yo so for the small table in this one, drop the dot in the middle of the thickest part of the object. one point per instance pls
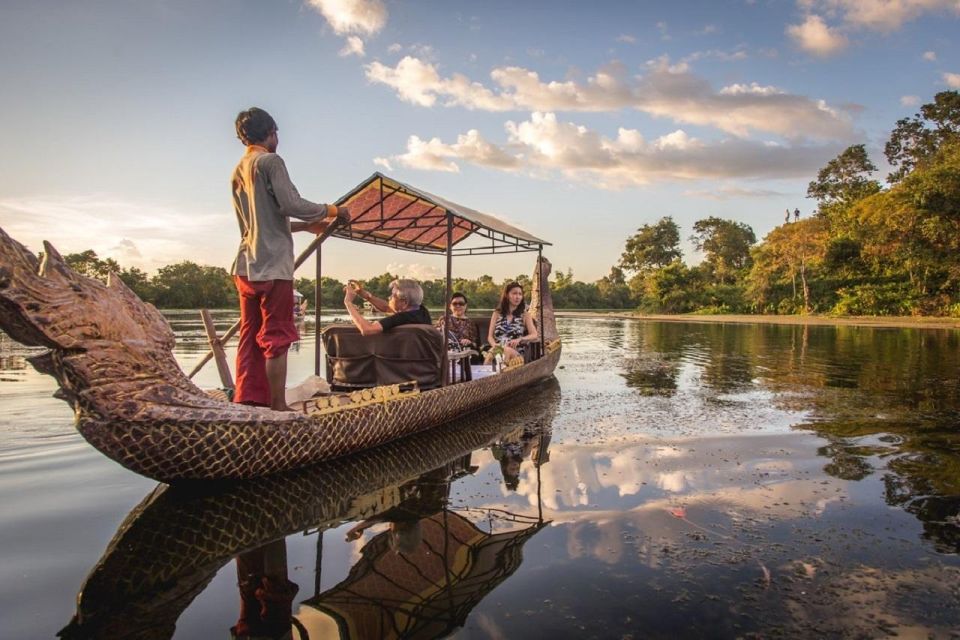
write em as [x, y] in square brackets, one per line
[461, 358]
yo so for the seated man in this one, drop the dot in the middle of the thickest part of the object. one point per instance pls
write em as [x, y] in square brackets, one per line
[405, 303]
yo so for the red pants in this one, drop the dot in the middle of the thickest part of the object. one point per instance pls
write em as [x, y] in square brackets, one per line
[266, 331]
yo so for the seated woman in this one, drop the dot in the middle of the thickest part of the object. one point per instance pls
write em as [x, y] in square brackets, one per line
[463, 332]
[511, 326]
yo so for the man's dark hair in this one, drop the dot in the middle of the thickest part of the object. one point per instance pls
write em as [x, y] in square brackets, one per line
[254, 125]
[457, 294]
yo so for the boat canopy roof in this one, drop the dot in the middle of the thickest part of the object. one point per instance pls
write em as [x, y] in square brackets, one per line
[387, 212]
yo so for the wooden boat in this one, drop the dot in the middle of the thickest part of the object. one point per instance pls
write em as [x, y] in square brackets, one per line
[171, 545]
[112, 355]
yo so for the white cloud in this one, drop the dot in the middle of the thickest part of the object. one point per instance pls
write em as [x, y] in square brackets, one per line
[543, 144]
[128, 249]
[396, 47]
[414, 270]
[952, 80]
[909, 101]
[930, 56]
[105, 223]
[725, 56]
[353, 47]
[366, 17]
[435, 155]
[667, 90]
[627, 39]
[815, 37]
[727, 192]
[418, 82]
[884, 16]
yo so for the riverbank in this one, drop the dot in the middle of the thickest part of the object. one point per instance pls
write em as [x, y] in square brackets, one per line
[892, 322]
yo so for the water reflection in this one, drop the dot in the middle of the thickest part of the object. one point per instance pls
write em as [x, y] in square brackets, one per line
[885, 400]
[425, 574]
[698, 481]
[171, 545]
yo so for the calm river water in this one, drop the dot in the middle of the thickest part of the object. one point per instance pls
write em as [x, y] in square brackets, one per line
[675, 480]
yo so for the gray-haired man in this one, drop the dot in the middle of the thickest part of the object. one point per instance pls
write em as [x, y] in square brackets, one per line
[405, 305]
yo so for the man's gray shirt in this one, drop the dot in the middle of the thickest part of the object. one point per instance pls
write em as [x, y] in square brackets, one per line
[264, 200]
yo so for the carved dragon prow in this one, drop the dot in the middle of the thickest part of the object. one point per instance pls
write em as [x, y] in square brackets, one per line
[543, 303]
[111, 353]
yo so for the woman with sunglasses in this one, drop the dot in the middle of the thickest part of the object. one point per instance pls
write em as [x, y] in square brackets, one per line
[511, 326]
[463, 332]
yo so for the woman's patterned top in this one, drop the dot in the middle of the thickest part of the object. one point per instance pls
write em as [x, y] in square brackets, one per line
[509, 328]
[460, 329]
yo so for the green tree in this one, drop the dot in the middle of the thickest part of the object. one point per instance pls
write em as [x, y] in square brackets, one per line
[87, 263]
[913, 230]
[789, 251]
[675, 288]
[613, 291]
[845, 180]
[140, 283]
[727, 245]
[917, 139]
[652, 246]
[187, 285]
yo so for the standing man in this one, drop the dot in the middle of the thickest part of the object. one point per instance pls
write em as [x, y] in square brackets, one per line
[796, 215]
[786, 218]
[264, 200]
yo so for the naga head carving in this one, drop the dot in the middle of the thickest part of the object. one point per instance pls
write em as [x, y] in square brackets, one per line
[46, 303]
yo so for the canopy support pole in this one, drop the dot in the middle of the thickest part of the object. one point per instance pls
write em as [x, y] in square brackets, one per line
[540, 296]
[318, 565]
[318, 294]
[446, 303]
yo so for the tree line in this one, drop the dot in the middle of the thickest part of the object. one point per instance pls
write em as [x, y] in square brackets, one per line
[188, 285]
[869, 249]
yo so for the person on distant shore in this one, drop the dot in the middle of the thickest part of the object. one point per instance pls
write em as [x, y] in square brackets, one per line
[796, 215]
[264, 200]
[463, 333]
[405, 305]
[511, 326]
[786, 218]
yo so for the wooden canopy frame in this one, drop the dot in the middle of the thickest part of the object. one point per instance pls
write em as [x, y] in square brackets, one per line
[387, 212]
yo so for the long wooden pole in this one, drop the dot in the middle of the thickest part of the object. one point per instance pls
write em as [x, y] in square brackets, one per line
[316, 242]
[216, 348]
[318, 294]
[447, 378]
[540, 295]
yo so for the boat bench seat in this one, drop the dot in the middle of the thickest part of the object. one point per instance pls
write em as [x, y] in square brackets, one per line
[401, 354]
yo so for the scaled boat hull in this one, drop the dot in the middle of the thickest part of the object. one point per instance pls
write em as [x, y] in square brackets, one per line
[112, 355]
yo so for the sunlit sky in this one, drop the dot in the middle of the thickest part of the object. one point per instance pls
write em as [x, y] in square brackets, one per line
[576, 121]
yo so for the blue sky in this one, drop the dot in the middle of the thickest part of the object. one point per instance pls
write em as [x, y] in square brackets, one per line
[577, 121]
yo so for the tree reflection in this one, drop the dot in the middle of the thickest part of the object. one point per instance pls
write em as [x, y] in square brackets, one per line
[884, 399]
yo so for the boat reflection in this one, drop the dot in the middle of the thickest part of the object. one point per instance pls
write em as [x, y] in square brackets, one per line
[420, 577]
